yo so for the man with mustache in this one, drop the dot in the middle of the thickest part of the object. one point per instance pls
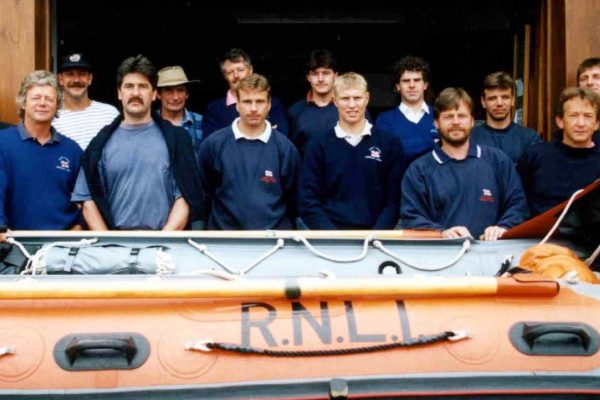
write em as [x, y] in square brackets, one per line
[38, 165]
[139, 172]
[220, 113]
[80, 118]
[499, 130]
[461, 188]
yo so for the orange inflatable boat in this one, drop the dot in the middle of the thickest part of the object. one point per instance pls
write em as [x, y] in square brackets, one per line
[289, 315]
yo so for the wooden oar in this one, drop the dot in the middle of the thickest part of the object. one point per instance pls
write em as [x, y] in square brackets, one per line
[194, 287]
[392, 234]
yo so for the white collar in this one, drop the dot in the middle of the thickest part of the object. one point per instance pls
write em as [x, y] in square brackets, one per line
[341, 133]
[406, 109]
[263, 137]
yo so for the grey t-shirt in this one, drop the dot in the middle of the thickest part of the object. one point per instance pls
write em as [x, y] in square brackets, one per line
[137, 176]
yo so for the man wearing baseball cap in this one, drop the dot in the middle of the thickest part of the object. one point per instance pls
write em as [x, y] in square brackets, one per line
[173, 93]
[80, 118]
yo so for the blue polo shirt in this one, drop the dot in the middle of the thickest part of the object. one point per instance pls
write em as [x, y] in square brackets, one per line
[439, 192]
[36, 180]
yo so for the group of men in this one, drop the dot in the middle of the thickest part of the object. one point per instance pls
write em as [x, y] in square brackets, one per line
[245, 164]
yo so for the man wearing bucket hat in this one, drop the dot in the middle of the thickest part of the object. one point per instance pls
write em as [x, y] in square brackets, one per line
[80, 118]
[173, 93]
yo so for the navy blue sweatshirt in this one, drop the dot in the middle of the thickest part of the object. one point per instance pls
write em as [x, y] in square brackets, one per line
[514, 140]
[252, 185]
[346, 187]
[552, 172]
[439, 192]
[308, 121]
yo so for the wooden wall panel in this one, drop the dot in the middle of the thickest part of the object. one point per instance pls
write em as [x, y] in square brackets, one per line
[24, 47]
[582, 20]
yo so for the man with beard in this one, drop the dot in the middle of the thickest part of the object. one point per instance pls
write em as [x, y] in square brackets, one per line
[139, 172]
[461, 188]
[498, 100]
[80, 118]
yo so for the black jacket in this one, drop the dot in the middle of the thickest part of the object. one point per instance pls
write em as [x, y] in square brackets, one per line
[181, 156]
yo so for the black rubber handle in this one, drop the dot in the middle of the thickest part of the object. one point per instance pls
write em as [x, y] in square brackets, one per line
[554, 338]
[531, 333]
[125, 346]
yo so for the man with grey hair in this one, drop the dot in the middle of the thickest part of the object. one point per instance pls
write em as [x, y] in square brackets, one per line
[552, 172]
[235, 66]
[38, 165]
[461, 188]
[351, 173]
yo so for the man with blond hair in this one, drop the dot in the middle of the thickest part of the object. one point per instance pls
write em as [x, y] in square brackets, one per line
[249, 169]
[38, 165]
[350, 176]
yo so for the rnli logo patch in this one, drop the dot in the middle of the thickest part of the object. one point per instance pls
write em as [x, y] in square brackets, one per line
[487, 196]
[268, 177]
[64, 164]
[374, 154]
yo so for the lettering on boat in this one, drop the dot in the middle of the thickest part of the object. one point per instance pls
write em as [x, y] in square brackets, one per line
[297, 323]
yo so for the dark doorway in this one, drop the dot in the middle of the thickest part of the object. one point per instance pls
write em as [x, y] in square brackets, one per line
[462, 40]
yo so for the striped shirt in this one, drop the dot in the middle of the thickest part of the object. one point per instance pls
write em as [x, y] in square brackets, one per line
[83, 125]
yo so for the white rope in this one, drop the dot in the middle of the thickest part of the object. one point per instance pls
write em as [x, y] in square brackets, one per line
[465, 247]
[217, 274]
[164, 263]
[37, 262]
[562, 215]
[279, 245]
[202, 248]
[316, 252]
[20, 246]
[593, 257]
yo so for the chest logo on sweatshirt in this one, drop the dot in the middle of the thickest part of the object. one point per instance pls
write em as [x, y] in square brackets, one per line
[487, 196]
[64, 164]
[374, 154]
[268, 177]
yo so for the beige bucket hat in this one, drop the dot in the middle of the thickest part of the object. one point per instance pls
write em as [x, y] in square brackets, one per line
[172, 76]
